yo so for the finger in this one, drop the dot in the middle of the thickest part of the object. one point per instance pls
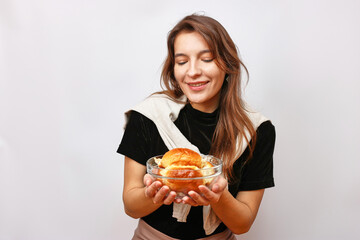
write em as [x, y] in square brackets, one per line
[198, 198]
[148, 179]
[170, 198]
[188, 200]
[216, 188]
[207, 193]
[221, 183]
[204, 190]
[151, 190]
[161, 194]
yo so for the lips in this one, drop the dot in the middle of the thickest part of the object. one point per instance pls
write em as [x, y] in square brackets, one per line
[197, 86]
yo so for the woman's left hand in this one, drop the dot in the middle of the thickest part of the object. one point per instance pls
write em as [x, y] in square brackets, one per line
[206, 196]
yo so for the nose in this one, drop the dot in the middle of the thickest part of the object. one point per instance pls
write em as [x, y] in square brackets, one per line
[194, 70]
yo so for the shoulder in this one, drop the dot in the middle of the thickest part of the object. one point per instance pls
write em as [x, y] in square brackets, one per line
[266, 134]
[137, 120]
[266, 129]
[265, 139]
[257, 173]
[140, 137]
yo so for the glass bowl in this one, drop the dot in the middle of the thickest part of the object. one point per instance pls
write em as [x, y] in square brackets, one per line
[185, 179]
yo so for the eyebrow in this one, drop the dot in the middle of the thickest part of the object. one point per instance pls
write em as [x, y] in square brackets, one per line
[200, 53]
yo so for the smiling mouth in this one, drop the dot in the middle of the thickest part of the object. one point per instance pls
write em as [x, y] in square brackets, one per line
[197, 84]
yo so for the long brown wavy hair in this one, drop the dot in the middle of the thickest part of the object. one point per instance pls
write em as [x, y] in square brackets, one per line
[233, 119]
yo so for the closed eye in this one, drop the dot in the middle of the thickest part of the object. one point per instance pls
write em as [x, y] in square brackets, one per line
[181, 63]
[208, 60]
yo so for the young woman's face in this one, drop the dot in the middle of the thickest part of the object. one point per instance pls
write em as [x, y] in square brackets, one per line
[196, 72]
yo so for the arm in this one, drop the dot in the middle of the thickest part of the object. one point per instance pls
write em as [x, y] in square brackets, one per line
[141, 194]
[238, 214]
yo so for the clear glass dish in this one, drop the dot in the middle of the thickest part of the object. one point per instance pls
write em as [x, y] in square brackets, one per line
[185, 179]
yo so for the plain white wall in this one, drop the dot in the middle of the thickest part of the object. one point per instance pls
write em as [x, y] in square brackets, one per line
[69, 69]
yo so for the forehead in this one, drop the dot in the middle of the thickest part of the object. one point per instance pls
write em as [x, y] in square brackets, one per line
[187, 42]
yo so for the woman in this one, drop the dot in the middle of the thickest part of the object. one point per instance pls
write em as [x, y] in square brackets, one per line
[202, 80]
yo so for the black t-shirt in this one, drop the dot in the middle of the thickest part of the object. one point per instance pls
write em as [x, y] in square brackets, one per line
[141, 141]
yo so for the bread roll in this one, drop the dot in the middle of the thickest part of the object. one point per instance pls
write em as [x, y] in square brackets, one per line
[182, 185]
[184, 163]
[181, 157]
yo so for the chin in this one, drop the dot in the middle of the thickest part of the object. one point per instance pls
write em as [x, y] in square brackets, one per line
[196, 99]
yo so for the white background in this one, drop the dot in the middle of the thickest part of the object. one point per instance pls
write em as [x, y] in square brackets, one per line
[69, 69]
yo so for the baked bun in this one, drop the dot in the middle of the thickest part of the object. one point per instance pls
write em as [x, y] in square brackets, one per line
[184, 163]
[182, 185]
[181, 157]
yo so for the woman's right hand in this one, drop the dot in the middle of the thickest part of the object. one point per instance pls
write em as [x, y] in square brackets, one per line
[159, 193]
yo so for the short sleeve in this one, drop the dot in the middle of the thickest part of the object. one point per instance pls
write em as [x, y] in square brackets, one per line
[140, 137]
[258, 171]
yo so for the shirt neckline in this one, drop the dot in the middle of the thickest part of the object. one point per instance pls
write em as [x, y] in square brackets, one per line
[203, 117]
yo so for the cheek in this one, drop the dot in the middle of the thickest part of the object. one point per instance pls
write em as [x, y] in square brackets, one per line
[178, 74]
[218, 76]
[215, 72]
